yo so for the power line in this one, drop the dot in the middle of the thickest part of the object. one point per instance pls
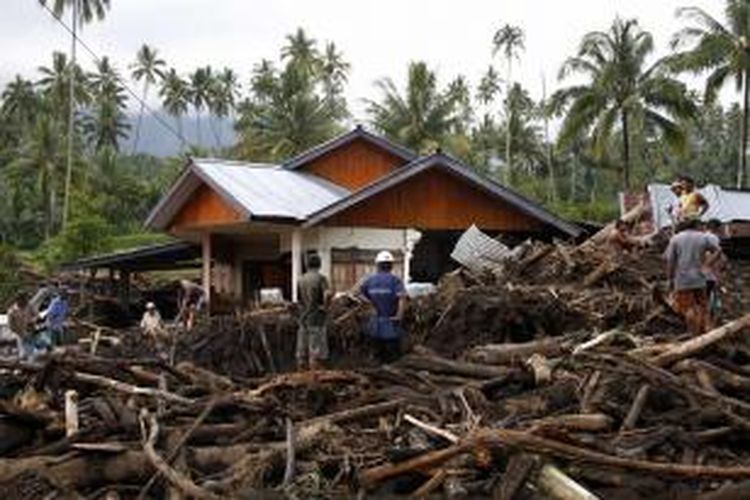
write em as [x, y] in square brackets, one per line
[97, 59]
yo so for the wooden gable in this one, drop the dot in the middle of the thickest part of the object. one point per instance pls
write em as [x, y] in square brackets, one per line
[355, 164]
[204, 208]
[435, 199]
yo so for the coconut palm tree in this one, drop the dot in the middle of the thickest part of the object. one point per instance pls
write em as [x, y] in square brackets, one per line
[149, 68]
[82, 12]
[106, 124]
[20, 104]
[55, 84]
[422, 118]
[489, 86]
[175, 95]
[509, 40]
[225, 90]
[334, 74]
[284, 115]
[621, 90]
[201, 81]
[302, 52]
[722, 50]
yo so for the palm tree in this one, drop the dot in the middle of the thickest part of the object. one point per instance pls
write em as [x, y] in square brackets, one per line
[722, 50]
[82, 12]
[422, 118]
[201, 81]
[107, 124]
[149, 68]
[510, 41]
[334, 74]
[20, 103]
[55, 84]
[489, 86]
[621, 89]
[224, 95]
[175, 95]
[302, 52]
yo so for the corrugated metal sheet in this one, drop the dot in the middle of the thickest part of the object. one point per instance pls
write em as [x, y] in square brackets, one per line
[270, 191]
[724, 204]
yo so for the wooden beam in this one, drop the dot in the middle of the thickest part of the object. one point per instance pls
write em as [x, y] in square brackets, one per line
[206, 259]
[296, 261]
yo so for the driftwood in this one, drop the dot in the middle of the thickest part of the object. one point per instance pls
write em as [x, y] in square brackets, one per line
[636, 408]
[179, 480]
[500, 354]
[698, 344]
[558, 485]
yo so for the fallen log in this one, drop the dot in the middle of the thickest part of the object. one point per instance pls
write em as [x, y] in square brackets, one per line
[177, 479]
[131, 389]
[437, 364]
[501, 354]
[698, 344]
[558, 485]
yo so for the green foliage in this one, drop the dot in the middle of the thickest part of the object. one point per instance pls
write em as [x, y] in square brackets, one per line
[622, 95]
[84, 236]
[721, 50]
[10, 274]
[293, 107]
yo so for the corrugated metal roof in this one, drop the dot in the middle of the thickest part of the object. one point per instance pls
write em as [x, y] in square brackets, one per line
[265, 191]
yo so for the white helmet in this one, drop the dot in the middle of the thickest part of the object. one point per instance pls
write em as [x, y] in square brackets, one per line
[150, 305]
[384, 256]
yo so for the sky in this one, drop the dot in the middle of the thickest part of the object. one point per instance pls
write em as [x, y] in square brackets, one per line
[379, 39]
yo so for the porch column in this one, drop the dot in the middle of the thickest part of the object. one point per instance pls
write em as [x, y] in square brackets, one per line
[296, 261]
[206, 261]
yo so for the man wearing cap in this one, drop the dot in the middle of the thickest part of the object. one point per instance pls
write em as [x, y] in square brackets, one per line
[386, 293]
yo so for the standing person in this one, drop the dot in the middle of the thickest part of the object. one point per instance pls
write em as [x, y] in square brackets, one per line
[21, 317]
[686, 255]
[692, 204]
[713, 268]
[674, 210]
[387, 294]
[56, 316]
[191, 298]
[314, 296]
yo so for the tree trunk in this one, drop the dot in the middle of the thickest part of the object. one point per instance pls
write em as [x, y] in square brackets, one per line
[198, 125]
[71, 115]
[625, 152]
[140, 118]
[742, 172]
[508, 161]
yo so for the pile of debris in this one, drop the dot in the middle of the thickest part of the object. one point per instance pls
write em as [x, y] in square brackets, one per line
[611, 415]
[559, 372]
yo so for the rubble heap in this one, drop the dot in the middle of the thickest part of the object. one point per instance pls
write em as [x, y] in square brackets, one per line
[560, 374]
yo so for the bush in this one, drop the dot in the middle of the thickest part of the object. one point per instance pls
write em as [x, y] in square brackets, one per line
[10, 274]
[84, 236]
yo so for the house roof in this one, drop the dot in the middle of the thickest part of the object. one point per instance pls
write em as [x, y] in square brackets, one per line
[453, 166]
[180, 254]
[257, 191]
[358, 133]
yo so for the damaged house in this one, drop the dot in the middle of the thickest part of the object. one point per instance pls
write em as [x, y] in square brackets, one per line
[345, 199]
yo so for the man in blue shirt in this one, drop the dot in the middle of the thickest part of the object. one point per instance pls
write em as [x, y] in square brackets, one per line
[386, 293]
[56, 316]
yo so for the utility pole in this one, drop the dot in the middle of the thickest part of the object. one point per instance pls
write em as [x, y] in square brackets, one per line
[71, 116]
